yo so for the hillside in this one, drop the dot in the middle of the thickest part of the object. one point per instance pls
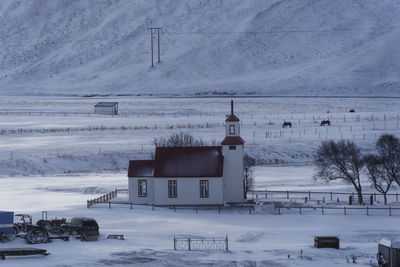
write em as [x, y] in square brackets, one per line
[276, 47]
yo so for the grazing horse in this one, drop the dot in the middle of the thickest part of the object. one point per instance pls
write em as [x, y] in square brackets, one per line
[352, 110]
[327, 122]
[287, 124]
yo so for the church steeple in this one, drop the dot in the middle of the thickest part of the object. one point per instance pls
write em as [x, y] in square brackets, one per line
[232, 150]
[232, 130]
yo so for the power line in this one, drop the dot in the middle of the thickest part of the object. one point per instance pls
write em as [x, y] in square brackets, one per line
[278, 32]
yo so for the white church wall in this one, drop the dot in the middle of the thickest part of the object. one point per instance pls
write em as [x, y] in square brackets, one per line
[134, 194]
[233, 174]
[188, 191]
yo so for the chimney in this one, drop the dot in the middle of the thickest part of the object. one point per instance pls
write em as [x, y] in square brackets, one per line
[231, 107]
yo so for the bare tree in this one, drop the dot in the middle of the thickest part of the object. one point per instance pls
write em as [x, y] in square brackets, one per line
[388, 148]
[378, 174]
[340, 160]
[248, 163]
[181, 139]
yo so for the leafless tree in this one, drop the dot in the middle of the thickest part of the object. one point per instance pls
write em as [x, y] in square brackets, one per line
[378, 174]
[248, 163]
[340, 160]
[181, 139]
[388, 148]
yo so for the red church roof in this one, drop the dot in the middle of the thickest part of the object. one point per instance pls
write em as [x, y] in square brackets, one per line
[232, 117]
[233, 140]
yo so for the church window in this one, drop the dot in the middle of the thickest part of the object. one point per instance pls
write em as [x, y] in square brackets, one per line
[204, 188]
[172, 189]
[142, 188]
[231, 129]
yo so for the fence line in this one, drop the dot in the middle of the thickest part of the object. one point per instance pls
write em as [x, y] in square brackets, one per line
[220, 208]
[102, 199]
[367, 210]
[309, 195]
[104, 128]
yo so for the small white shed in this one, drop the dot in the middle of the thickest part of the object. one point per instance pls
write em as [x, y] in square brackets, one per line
[106, 108]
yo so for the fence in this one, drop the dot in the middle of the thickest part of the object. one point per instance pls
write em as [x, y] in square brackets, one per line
[201, 244]
[321, 196]
[366, 210]
[107, 128]
[102, 199]
[218, 208]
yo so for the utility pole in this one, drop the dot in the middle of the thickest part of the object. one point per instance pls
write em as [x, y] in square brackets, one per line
[152, 32]
[158, 38]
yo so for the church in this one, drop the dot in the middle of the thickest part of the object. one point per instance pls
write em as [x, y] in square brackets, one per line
[206, 175]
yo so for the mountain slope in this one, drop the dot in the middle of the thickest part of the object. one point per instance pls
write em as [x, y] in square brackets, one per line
[277, 47]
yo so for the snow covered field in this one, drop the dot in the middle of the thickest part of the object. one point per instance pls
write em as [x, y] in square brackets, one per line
[254, 240]
[52, 135]
[71, 155]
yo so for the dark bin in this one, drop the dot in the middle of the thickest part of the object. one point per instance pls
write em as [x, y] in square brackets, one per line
[326, 242]
[7, 222]
[388, 253]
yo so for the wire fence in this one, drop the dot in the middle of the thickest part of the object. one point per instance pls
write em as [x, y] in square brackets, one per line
[344, 210]
[107, 128]
[321, 196]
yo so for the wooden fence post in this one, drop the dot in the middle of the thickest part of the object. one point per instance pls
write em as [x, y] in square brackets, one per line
[189, 243]
[174, 243]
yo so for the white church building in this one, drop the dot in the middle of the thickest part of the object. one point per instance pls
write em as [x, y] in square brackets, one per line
[209, 175]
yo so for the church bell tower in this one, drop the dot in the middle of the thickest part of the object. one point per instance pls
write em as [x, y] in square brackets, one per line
[232, 150]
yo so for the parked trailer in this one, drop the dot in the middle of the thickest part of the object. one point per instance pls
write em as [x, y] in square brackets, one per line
[6, 225]
[388, 253]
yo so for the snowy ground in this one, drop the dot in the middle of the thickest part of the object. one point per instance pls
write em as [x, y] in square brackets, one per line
[45, 166]
[54, 135]
[254, 240]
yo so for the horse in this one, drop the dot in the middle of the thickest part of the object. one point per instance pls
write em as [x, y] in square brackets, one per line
[327, 122]
[287, 124]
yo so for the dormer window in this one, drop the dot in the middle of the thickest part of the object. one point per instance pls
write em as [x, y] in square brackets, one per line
[232, 129]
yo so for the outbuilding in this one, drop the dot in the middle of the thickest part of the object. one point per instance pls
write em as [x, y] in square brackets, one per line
[106, 108]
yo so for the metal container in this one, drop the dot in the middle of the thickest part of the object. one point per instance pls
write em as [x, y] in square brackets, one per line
[7, 222]
[388, 253]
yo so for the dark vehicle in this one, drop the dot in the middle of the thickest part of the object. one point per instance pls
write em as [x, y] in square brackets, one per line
[86, 229]
[33, 234]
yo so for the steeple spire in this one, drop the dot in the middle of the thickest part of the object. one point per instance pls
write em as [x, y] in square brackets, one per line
[231, 107]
